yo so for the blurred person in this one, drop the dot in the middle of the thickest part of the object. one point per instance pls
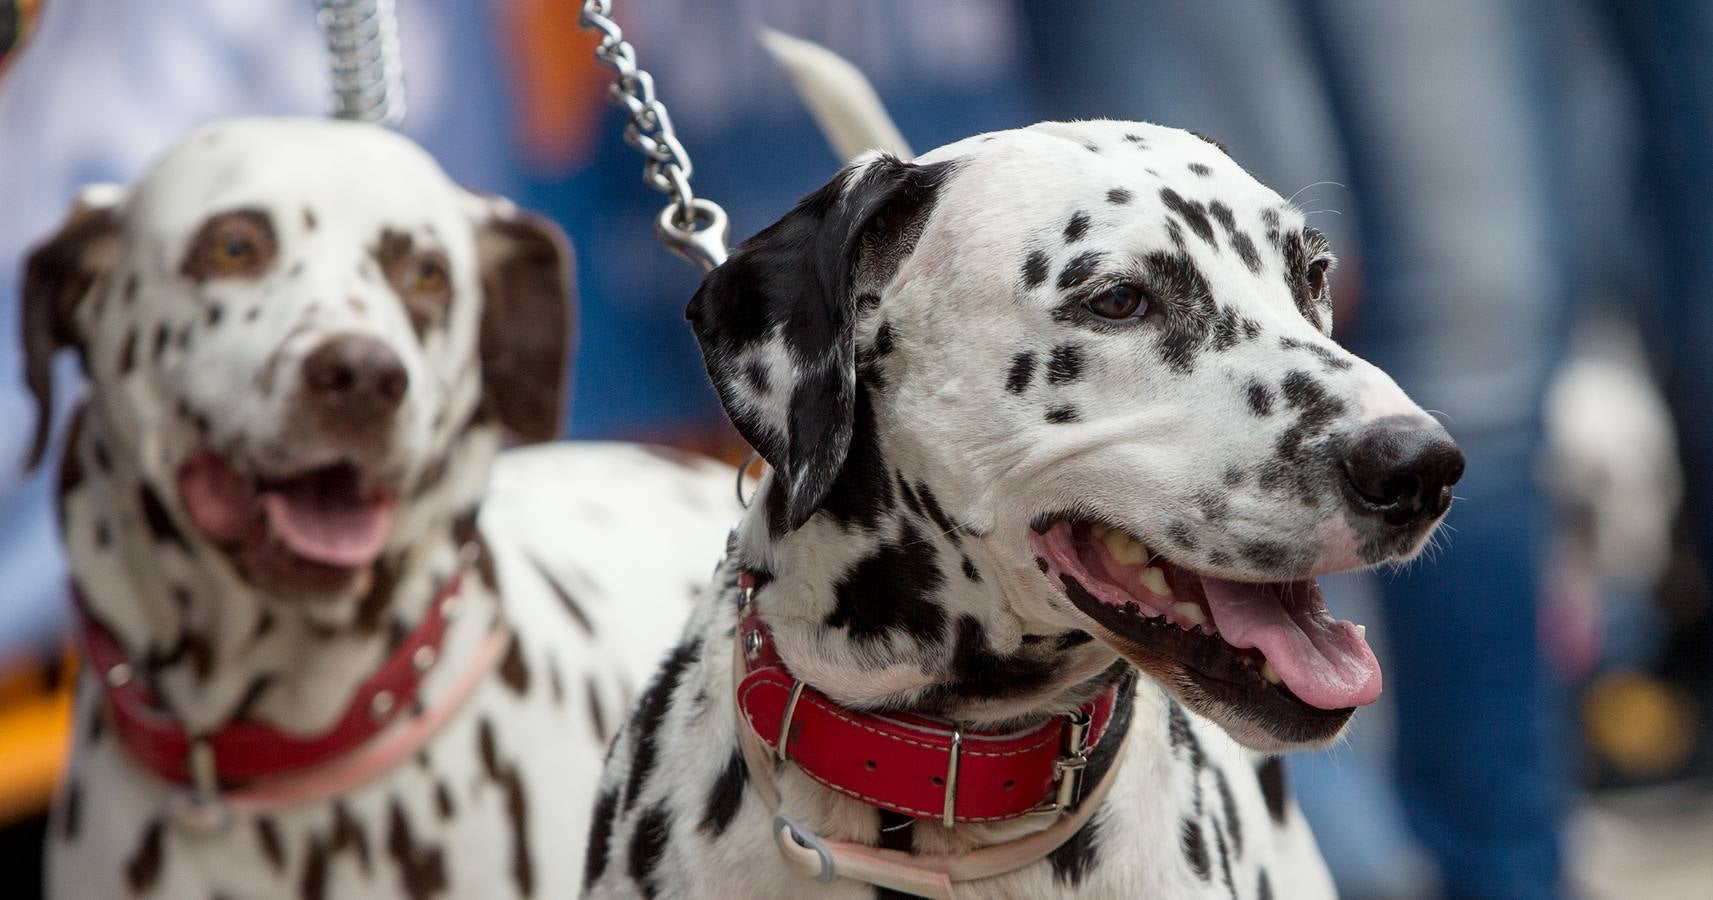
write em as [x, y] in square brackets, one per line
[1443, 118]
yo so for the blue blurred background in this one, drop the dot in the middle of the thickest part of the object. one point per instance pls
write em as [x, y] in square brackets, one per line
[1521, 193]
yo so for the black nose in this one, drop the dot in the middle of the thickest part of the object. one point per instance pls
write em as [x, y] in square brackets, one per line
[1402, 468]
[354, 380]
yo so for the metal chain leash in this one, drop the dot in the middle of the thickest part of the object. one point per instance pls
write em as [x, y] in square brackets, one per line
[363, 59]
[692, 227]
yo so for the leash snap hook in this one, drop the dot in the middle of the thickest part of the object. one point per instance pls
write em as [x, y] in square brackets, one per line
[200, 810]
[700, 236]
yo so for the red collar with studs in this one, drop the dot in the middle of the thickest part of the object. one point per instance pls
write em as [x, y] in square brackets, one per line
[910, 764]
[245, 750]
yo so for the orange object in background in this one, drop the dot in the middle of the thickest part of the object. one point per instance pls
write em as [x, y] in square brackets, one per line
[558, 86]
[35, 731]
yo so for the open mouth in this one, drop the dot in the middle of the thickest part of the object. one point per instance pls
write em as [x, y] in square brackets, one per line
[1270, 648]
[319, 527]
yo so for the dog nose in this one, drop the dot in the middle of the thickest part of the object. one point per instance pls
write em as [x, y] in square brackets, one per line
[1403, 469]
[355, 379]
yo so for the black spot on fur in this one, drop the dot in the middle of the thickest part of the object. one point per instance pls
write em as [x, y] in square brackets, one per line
[892, 589]
[725, 796]
[1260, 399]
[1176, 278]
[313, 884]
[862, 492]
[1263, 886]
[443, 801]
[143, 869]
[1073, 859]
[159, 522]
[1212, 141]
[1061, 415]
[1271, 774]
[514, 673]
[756, 374]
[1022, 370]
[1193, 212]
[163, 333]
[600, 836]
[268, 838]
[1224, 859]
[1182, 534]
[422, 868]
[970, 571]
[977, 672]
[651, 712]
[1035, 269]
[1270, 556]
[647, 844]
[214, 314]
[1194, 845]
[1200, 169]
[931, 506]
[1332, 361]
[1080, 269]
[1228, 804]
[1065, 365]
[1076, 227]
[1182, 736]
[1119, 196]
[308, 219]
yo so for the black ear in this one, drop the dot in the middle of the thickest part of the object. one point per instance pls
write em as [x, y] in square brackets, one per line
[776, 322]
[57, 275]
[527, 322]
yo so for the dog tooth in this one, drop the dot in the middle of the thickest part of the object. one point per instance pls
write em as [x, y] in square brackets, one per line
[1362, 631]
[1269, 673]
[1124, 551]
[1154, 579]
[1191, 611]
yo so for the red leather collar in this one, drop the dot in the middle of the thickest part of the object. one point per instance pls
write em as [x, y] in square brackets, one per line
[245, 750]
[910, 764]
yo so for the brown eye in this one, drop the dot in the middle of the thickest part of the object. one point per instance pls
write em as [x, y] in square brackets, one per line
[431, 276]
[1121, 301]
[1317, 276]
[238, 244]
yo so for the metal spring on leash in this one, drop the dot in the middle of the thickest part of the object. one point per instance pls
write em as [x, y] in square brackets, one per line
[690, 226]
[363, 56]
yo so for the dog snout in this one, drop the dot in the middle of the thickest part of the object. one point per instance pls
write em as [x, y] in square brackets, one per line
[354, 381]
[1402, 469]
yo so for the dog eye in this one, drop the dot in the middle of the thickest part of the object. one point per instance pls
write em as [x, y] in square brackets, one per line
[431, 276]
[1317, 276]
[1121, 301]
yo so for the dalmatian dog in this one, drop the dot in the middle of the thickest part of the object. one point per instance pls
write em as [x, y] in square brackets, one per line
[305, 346]
[1051, 415]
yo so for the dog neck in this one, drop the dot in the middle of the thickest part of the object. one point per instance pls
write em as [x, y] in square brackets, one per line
[890, 603]
[211, 647]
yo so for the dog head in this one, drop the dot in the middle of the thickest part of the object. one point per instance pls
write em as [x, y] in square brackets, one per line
[301, 335]
[1105, 346]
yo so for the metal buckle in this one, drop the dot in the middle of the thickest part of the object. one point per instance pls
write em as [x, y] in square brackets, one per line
[948, 810]
[780, 752]
[1068, 768]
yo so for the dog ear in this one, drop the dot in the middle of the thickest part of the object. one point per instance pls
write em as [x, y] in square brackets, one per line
[529, 295]
[776, 322]
[58, 273]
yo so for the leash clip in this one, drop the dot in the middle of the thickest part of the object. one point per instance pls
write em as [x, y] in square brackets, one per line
[199, 810]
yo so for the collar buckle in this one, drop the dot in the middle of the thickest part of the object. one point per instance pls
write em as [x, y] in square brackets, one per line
[1068, 769]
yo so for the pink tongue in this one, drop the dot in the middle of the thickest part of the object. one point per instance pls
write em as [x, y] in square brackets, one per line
[329, 527]
[1324, 661]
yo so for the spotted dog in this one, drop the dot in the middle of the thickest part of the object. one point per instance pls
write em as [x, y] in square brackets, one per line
[1046, 410]
[305, 345]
